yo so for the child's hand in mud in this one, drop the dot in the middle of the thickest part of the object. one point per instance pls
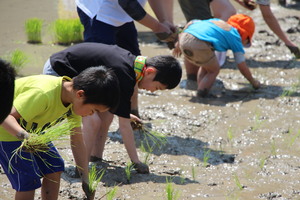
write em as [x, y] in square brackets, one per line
[256, 84]
[90, 195]
[169, 38]
[141, 168]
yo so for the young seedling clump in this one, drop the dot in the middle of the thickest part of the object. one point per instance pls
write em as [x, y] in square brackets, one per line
[33, 28]
[95, 177]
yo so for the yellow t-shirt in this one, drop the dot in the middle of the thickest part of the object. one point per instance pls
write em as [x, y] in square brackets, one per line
[38, 101]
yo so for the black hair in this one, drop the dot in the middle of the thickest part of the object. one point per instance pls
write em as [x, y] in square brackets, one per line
[168, 70]
[7, 88]
[100, 86]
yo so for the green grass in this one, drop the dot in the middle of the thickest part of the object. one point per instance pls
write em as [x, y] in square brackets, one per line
[33, 29]
[67, 31]
[95, 177]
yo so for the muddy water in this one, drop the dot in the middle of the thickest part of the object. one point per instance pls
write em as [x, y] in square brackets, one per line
[237, 144]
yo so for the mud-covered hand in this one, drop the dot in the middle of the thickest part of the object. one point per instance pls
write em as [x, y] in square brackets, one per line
[256, 84]
[249, 4]
[90, 195]
[141, 168]
[169, 38]
[136, 125]
[135, 122]
[22, 135]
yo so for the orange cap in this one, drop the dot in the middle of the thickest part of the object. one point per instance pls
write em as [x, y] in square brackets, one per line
[244, 24]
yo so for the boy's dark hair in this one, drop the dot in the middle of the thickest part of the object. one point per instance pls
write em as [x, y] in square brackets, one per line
[168, 70]
[7, 88]
[100, 86]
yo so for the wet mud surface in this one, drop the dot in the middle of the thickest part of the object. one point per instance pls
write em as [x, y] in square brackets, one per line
[239, 143]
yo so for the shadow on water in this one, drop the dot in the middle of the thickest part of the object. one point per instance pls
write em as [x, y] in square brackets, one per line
[221, 97]
[116, 175]
[115, 171]
[175, 146]
[252, 63]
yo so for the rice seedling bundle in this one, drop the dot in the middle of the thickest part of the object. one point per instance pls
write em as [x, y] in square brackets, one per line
[151, 138]
[40, 139]
[18, 59]
[33, 28]
[67, 31]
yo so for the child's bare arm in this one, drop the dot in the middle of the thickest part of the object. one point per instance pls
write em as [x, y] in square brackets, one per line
[247, 74]
[79, 153]
[128, 138]
[129, 142]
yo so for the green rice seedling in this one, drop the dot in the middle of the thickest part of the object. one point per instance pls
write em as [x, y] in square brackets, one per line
[293, 138]
[237, 182]
[258, 122]
[206, 157]
[128, 169]
[182, 179]
[291, 90]
[229, 134]
[172, 194]
[18, 59]
[147, 152]
[273, 148]
[151, 138]
[95, 177]
[111, 193]
[33, 29]
[67, 31]
[233, 195]
[262, 162]
[193, 173]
